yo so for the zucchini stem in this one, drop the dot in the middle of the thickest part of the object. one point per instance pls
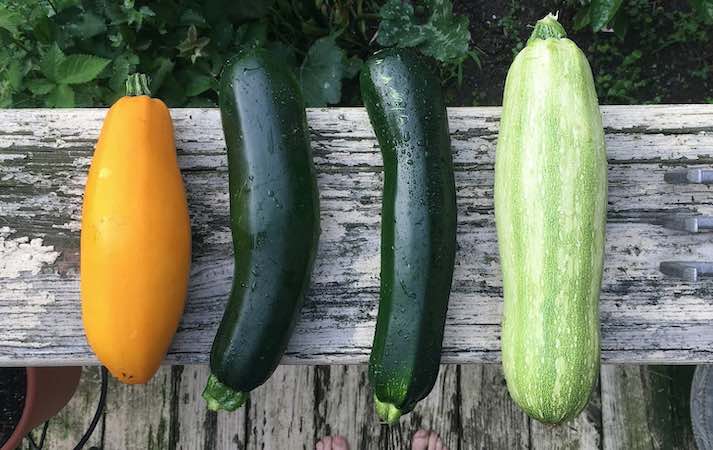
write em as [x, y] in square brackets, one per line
[219, 396]
[388, 412]
[548, 28]
[137, 84]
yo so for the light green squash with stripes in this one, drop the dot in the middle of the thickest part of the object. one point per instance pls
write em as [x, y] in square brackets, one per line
[550, 211]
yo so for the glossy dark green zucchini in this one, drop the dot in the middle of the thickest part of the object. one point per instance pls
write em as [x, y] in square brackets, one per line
[274, 217]
[418, 232]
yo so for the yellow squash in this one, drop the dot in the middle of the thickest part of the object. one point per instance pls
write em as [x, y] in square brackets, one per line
[136, 238]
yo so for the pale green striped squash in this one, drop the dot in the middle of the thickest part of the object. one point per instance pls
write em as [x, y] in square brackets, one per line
[550, 210]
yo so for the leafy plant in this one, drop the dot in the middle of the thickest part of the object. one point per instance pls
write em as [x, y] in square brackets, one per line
[599, 14]
[64, 53]
[442, 35]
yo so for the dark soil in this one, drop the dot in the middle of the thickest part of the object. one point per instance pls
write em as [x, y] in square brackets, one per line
[13, 383]
[666, 55]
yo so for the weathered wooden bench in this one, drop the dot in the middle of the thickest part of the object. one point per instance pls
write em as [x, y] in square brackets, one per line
[647, 317]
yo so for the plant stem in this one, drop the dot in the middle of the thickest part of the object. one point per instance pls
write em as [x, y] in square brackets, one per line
[21, 45]
[52, 5]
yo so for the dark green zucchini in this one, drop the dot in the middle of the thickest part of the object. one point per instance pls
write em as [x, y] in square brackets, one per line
[274, 217]
[418, 226]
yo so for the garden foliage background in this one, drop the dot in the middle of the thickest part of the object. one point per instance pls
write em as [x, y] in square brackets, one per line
[77, 53]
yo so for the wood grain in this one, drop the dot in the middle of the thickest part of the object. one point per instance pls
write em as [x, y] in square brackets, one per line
[646, 317]
[138, 416]
[647, 407]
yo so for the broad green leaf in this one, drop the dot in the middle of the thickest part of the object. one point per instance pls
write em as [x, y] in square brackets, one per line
[322, 72]
[14, 75]
[50, 62]
[88, 26]
[621, 25]
[44, 30]
[122, 66]
[704, 8]
[443, 36]
[582, 18]
[251, 34]
[398, 25]
[40, 86]
[76, 69]
[602, 12]
[62, 96]
[447, 39]
[198, 84]
[9, 20]
[163, 68]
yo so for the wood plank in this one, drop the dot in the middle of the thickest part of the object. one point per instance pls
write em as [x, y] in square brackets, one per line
[138, 416]
[281, 412]
[646, 407]
[192, 424]
[344, 406]
[646, 317]
[67, 428]
[490, 418]
[581, 433]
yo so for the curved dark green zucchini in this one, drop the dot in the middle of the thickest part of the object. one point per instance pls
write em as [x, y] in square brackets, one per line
[274, 217]
[418, 232]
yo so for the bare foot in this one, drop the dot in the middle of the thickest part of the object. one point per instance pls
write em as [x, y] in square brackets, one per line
[332, 443]
[427, 440]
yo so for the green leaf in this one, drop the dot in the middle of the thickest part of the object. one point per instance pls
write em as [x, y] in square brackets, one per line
[122, 66]
[443, 36]
[192, 46]
[50, 62]
[621, 25]
[14, 75]
[62, 96]
[251, 34]
[447, 39]
[40, 86]
[76, 69]
[581, 19]
[398, 25]
[704, 8]
[44, 30]
[163, 68]
[322, 72]
[88, 26]
[198, 84]
[9, 20]
[602, 12]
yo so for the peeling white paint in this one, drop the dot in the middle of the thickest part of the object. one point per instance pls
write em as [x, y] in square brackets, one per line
[23, 255]
[74, 226]
[11, 156]
[82, 161]
[218, 237]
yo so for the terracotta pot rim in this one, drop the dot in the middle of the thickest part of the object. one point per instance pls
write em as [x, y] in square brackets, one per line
[30, 392]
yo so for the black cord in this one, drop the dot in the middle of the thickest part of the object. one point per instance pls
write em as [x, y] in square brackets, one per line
[98, 413]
